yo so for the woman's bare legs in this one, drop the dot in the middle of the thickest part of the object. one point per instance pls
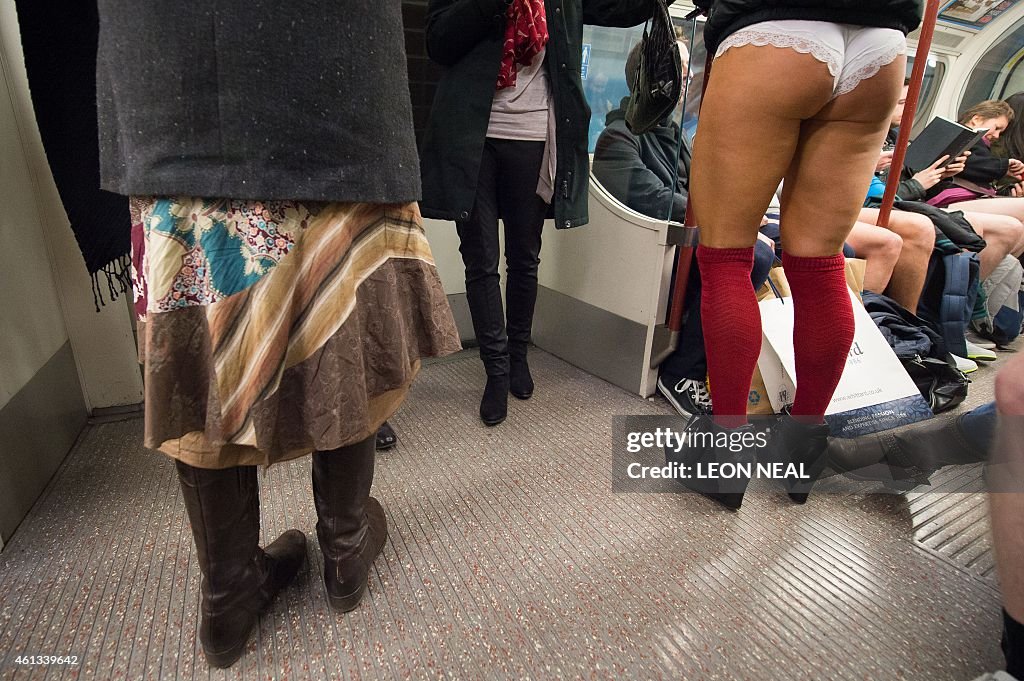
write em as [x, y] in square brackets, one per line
[755, 129]
[835, 160]
[1003, 235]
[1000, 205]
[821, 199]
[918, 235]
[880, 250]
[747, 137]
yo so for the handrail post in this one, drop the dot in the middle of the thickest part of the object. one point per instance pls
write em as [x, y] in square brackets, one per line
[899, 153]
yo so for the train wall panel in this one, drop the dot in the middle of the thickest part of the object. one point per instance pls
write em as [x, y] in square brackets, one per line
[30, 313]
[51, 283]
[38, 427]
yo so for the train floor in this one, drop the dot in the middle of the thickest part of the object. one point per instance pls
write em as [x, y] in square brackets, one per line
[510, 557]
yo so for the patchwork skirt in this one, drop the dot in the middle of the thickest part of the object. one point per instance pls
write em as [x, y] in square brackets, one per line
[271, 329]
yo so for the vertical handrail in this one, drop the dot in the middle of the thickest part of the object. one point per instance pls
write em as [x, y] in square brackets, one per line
[924, 44]
[684, 254]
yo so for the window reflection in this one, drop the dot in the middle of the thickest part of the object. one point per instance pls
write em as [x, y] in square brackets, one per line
[933, 72]
[603, 72]
[648, 173]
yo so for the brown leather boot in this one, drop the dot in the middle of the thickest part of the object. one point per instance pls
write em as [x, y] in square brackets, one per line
[239, 578]
[351, 525]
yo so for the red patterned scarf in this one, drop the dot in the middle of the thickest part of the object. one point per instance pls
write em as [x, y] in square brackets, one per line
[526, 34]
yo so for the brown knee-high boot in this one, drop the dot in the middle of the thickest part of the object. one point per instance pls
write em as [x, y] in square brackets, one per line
[239, 578]
[351, 525]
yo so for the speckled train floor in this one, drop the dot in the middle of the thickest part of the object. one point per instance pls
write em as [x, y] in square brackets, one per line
[510, 557]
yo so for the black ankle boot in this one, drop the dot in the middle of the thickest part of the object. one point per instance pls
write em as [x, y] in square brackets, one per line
[494, 405]
[705, 444]
[520, 380]
[351, 525]
[239, 579]
[803, 444]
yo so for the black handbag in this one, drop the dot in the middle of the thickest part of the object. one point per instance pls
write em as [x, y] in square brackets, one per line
[942, 384]
[659, 78]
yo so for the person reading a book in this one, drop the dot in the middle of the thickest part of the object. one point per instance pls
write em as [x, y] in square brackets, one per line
[1003, 234]
[975, 188]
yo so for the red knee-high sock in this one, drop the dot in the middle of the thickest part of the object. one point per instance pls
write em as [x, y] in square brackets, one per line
[732, 329]
[822, 330]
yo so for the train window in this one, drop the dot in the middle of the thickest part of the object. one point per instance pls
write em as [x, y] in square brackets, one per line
[1000, 72]
[933, 74]
[640, 173]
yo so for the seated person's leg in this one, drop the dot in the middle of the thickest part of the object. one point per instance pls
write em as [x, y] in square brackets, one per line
[978, 426]
[681, 377]
[919, 450]
[918, 235]
[1013, 207]
[880, 248]
[1003, 235]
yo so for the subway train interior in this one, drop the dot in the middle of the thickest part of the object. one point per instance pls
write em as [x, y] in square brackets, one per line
[513, 551]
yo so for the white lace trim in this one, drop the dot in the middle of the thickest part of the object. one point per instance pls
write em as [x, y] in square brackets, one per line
[803, 45]
[850, 81]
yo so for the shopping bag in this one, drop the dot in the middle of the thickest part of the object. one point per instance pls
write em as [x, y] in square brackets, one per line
[777, 285]
[875, 392]
[758, 403]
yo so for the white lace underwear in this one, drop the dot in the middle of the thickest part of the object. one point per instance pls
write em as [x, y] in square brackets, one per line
[852, 53]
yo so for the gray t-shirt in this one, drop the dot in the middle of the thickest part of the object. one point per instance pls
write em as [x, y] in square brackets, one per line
[521, 112]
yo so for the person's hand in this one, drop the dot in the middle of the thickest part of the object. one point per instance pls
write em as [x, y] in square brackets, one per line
[762, 237]
[1017, 189]
[930, 176]
[1016, 168]
[955, 167]
[884, 161]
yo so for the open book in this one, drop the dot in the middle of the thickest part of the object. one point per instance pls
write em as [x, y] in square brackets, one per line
[940, 138]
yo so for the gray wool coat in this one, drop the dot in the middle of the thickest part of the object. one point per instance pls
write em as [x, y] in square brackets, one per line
[256, 99]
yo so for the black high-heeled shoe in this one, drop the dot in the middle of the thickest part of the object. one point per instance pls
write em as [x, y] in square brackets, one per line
[708, 467]
[386, 437]
[803, 444]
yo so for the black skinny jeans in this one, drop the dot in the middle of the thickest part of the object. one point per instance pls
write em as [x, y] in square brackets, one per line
[506, 189]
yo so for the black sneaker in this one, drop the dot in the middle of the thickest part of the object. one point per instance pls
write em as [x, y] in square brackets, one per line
[688, 396]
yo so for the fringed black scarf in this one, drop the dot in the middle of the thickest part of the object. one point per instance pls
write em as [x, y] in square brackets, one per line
[59, 40]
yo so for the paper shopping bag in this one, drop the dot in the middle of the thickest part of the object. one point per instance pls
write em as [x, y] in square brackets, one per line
[778, 285]
[874, 394]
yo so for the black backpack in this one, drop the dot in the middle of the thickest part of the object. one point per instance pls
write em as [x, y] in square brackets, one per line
[921, 350]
